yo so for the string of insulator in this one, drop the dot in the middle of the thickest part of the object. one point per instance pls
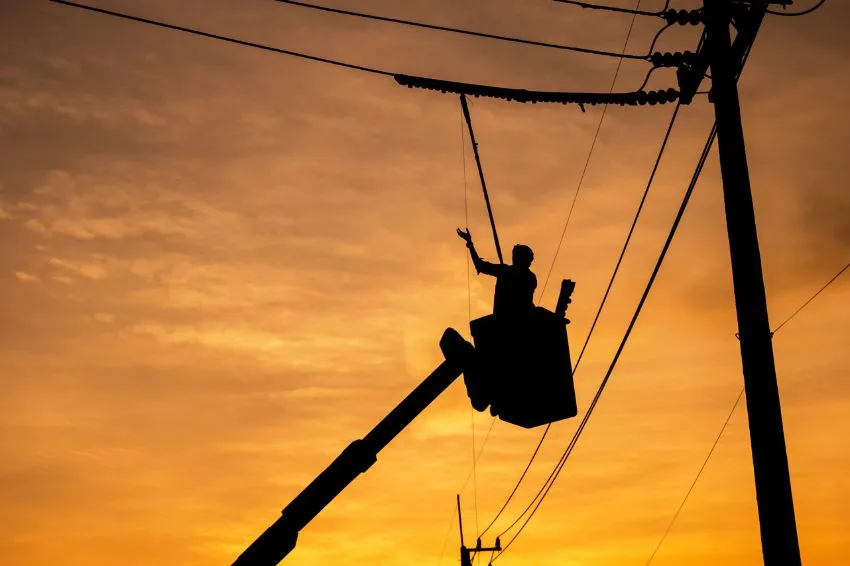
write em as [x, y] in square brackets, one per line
[677, 59]
[683, 17]
[530, 96]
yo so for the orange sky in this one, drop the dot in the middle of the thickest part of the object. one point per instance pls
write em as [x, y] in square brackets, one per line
[220, 266]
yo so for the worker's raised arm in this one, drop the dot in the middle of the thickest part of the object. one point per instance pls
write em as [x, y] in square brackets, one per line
[481, 266]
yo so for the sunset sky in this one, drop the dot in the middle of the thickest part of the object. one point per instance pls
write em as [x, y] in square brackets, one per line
[218, 266]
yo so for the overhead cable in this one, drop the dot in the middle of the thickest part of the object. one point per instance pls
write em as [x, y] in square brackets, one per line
[634, 222]
[551, 480]
[587, 163]
[578, 188]
[461, 31]
[511, 94]
[228, 39]
[728, 418]
[801, 13]
[631, 231]
[812, 298]
[592, 6]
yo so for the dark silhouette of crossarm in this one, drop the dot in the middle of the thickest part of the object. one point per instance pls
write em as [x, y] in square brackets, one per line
[639, 97]
[280, 538]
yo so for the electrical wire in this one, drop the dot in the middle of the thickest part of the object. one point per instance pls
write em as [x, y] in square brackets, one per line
[649, 54]
[656, 37]
[631, 230]
[599, 310]
[520, 95]
[729, 417]
[617, 267]
[694, 483]
[228, 39]
[634, 224]
[801, 13]
[578, 188]
[591, 6]
[463, 488]
[469, 311]
[519, 481]
[554, 475]
[480, 451]
[812, 298]
[461, 31]
[587, 161]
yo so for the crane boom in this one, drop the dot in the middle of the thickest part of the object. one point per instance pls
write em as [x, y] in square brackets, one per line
[280, 538]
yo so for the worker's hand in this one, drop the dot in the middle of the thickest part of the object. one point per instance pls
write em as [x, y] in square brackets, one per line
[465, 236]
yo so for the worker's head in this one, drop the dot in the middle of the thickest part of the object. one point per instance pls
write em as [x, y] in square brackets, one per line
[522, 256]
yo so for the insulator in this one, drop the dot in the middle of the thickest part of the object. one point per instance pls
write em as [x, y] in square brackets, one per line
[683, 17]
[641, 97]
[652, 97]
[677, 59]
[672, 94]
[695, 17]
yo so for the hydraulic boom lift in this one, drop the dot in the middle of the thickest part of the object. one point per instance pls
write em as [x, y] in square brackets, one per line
[460, 357]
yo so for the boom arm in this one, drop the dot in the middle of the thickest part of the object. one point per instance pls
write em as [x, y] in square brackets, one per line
[280, 538]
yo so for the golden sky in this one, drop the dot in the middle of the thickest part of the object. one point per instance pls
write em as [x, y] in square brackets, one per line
[220, 266]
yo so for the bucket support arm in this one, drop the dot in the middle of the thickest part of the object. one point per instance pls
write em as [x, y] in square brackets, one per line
[280, 538]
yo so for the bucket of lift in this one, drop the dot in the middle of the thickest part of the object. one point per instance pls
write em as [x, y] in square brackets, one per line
[522, 368]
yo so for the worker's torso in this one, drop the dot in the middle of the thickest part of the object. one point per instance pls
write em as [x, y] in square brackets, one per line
[514, 291]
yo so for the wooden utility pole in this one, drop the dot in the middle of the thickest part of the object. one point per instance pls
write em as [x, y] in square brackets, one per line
[780, 546]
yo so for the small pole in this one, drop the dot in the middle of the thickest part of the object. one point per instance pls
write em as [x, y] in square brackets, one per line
[459, 520]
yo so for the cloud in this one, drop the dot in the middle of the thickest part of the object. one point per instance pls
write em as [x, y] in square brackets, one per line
[25, 277]
[84, 269]
[36, 226]
[263, 259]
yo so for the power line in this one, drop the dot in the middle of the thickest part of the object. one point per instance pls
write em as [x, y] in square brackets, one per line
[590, 6]
[599, 310]
[587, 161]
[631, 231]
[511, 94]
[729, 417]
[461, 31]
[812, 298]
[519, 481]
[560, 465]
[694, 483]
[578, 188]
[801, 13]
[656, 37]
[225, 38]
[634, 223]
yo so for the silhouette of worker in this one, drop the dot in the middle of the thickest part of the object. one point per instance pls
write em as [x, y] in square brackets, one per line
[515, 283]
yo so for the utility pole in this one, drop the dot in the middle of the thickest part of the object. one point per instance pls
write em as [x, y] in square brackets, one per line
[780, 546]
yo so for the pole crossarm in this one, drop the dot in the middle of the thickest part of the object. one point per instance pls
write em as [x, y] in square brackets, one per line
[747, 19]
[635, 98]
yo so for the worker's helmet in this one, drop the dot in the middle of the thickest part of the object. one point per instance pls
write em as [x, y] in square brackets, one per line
[522, 255]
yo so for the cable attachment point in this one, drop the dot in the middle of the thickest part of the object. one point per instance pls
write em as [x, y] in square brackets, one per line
[683, 17]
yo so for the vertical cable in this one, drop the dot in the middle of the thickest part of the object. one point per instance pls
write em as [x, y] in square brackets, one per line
[469, 313]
